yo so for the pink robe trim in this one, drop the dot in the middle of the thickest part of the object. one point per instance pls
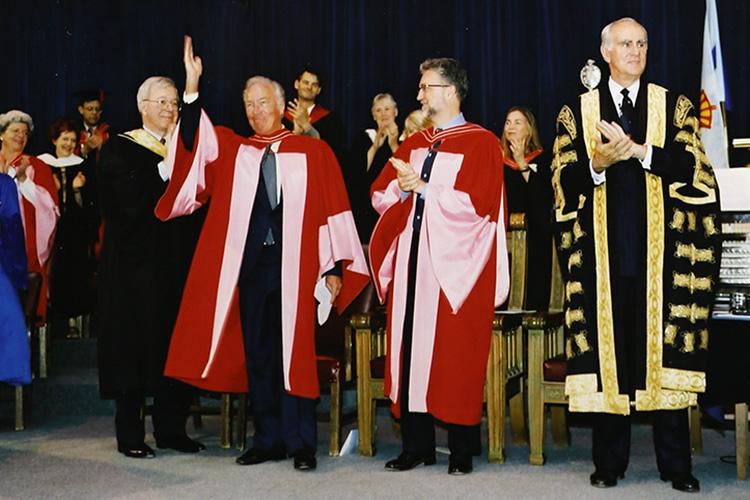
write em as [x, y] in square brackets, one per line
[502, 277]
[392, 194]
[206, 150]
[292, 169]
[45, 214]
[244, 185]
[337, 240]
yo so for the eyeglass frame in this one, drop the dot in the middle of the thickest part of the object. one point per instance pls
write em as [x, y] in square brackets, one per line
[177, 103]
[424, 86]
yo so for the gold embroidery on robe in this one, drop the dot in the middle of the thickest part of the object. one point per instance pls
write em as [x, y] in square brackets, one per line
[578, 233]
[569, 348]
[567, 119]
[590, 115]
[691, 282]
[574, 316]
[692, 312]
[709, 225]
[584, 383]
[691, 221]
[656, 126]
[612, 401]
[681, 110]
[575, 260]
[703, 335]
[694, 254]
[678, 220]
[572, 288]
[670, 334]
[688, 341]
[654, 278]
[566, 240]
[582, 342]
[683, 380]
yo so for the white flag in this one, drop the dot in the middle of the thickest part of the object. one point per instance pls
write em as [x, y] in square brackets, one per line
[713, 132]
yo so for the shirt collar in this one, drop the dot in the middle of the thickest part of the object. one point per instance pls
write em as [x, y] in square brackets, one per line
[454, 122]
[615, 89]
[158, 137]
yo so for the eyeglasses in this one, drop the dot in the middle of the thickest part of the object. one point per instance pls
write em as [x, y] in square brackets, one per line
[424, 86]
[262, 104]
[165, 103]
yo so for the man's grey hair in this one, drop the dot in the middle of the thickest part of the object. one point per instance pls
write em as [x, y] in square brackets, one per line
[144, 91]
[15, 116]
[384, 96]
[451, 71]
[606, 39]
[277, 88]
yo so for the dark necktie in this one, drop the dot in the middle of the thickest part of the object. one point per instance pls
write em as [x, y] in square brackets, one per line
[268, 167]
[163, 140]
[425, 176]
[628, 111]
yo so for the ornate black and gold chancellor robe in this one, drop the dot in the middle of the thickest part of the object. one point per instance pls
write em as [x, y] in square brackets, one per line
[660, 229]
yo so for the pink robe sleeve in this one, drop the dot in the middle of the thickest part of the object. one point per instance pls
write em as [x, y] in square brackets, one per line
[45, 213]
[187, 189]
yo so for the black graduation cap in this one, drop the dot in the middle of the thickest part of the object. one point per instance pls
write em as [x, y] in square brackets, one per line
[87, 95]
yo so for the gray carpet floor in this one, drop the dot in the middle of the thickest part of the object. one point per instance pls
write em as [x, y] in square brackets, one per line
[74, 457]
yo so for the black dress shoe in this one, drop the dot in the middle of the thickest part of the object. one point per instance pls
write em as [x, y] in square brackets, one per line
[305, 460]
[459, 465]
[683, 482]
[183, 444]
[255, 456]
[407, 461]
[141, 450]
[601, 479]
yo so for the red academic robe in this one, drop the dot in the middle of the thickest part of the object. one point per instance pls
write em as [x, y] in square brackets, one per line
[207, 347]
[38, 200]
[462, 269]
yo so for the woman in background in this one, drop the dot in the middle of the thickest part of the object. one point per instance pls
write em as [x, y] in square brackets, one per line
[529, 190]
[370, 152]
[36, 193]
[73, 261]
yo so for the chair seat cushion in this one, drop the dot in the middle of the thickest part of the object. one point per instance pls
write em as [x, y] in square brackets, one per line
[555, 369]
[377, 367]
[328, 369]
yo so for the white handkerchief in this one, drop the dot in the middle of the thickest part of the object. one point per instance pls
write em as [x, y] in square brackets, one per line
[323, 296]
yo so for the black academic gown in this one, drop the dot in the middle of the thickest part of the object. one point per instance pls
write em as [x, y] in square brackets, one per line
[143, 266]
[534, 198]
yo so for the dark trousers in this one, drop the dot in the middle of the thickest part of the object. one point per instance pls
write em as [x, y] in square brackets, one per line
[418, 429]
[172, 401]
[611, 442]
[282, 421]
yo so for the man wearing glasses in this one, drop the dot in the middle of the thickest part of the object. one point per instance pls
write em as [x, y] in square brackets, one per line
[143, 266]
[279, 234]
[636, 212]
[439, 252]
[94, 132]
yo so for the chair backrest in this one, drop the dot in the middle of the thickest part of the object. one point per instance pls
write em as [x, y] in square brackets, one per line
[30, 298]
[517, 248]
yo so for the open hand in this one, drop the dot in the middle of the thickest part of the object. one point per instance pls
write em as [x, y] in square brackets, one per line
[193, 67]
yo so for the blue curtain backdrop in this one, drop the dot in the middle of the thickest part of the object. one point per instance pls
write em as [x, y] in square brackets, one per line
[516, 52]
